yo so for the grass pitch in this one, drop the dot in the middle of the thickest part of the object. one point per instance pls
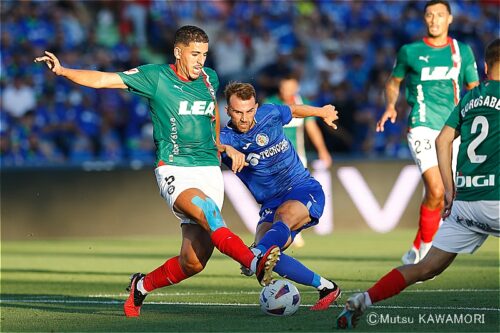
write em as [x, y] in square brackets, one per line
[78, 285]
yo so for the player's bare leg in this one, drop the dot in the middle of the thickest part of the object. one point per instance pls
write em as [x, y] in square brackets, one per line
[432, 265]
[292, 215]
[203, 210]
[430, 216]
[430, 211]
[299, 241]
[393, 283]
[195, 252]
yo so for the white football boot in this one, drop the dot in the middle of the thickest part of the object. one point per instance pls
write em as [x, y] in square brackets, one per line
[354, 308]
[424, 248]
[411, 257]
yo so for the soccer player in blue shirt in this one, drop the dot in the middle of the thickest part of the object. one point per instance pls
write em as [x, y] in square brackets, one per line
[291, 199]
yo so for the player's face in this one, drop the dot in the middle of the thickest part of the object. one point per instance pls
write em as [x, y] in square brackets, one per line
[190, 59]
[438, 19]
[288, 90]
[242, 113]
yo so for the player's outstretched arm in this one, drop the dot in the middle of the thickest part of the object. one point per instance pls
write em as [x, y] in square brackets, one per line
[391, 97]
[88, 78]
[444, 148]
[327, 112]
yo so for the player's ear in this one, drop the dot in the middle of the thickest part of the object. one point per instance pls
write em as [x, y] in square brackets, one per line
[177, 53]
[450, 19]
[485, 68]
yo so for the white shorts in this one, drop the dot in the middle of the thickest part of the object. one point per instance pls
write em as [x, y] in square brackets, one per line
[173, 180]
[468, 226]
[422, 143]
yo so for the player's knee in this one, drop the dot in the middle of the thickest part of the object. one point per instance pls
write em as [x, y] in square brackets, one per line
[293, 215]
[436, 194]
[210, 211]
[190, 265]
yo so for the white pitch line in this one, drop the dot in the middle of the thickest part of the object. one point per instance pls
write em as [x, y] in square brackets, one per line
[433, 308]
[302, 292]
[62, 301]
[57, 301]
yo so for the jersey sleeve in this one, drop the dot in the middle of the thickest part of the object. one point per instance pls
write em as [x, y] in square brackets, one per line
[469, 65]
[401, 64]
[224, 137]
[285, 113]
[142, 80]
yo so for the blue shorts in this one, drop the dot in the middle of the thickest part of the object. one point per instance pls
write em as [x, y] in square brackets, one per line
[310, 193]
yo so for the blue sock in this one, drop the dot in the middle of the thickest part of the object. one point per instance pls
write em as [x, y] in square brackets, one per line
[277, 235]
[294, 270]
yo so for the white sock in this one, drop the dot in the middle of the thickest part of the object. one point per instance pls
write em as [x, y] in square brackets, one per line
[324, 283]
[253, 264]
[368, 300]
[424, 248]
[140, 286]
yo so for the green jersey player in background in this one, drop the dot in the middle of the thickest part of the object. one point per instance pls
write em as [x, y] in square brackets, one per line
[288, 93]
[435, 68]
[184, 116]
[473, 214]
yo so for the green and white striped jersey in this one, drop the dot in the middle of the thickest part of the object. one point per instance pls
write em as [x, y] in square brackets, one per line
[434, 77]
[476, 118]
[182, 113]
[295, 129]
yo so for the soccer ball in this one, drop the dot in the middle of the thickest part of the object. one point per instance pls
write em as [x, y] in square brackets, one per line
[279, 298]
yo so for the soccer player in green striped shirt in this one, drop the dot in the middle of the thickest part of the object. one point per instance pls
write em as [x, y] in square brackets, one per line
[472, 201]
[435, 68]
[184, 115]
[288, 93]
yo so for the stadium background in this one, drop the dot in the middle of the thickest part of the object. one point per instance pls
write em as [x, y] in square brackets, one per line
[78, 162]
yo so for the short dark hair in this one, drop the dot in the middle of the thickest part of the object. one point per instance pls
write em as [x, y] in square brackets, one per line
[245, 91]
[492, 53]
[188, 34]
[289, 76]
[435, 2]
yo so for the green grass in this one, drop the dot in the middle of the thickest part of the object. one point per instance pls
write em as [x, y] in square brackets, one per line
[78, 285]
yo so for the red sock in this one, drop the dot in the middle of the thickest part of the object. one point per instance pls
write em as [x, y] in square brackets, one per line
[391, 284]
[429, 222]
[230, 244]
[418, 239]
[167, 274]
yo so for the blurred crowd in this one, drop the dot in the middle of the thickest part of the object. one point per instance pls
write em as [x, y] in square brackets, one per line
[342, 51]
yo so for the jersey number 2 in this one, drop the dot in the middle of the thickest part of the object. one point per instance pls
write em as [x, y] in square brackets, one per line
[471, 150]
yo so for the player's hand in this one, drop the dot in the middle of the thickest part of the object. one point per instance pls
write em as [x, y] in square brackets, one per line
[330, 115]
[237, 157]
[52, 62]
[389, 114]
[448, 202]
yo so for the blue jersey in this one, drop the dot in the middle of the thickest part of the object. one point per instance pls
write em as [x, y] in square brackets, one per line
[274, 166]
